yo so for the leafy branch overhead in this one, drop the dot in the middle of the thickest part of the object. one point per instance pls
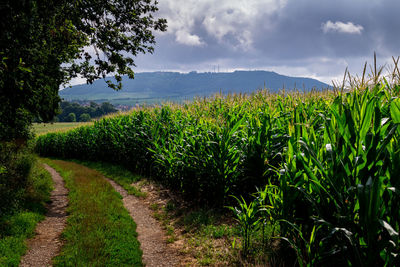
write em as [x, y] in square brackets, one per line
[116, 31]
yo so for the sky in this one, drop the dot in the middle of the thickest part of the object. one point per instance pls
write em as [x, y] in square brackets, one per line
[305, 38]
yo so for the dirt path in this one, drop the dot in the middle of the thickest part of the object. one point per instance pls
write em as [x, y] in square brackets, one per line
[46, 243]
[150, 235]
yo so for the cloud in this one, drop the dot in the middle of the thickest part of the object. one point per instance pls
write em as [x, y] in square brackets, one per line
[186, 38]
[342, 27]
[278, 35]
[231, 22]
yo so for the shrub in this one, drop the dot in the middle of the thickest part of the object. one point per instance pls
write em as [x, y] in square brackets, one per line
[15, 165]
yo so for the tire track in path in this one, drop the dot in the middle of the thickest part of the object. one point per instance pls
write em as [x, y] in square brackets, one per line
[150, 235]
[46, 244]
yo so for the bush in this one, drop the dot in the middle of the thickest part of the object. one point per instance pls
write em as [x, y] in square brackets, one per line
[15, 165]
[38, 188]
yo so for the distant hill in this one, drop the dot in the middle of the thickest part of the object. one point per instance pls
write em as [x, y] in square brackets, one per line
[155, 86]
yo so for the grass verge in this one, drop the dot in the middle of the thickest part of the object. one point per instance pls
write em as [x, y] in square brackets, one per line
[99, 230]
[15, 228]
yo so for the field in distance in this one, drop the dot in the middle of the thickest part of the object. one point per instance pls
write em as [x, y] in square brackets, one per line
[43, 128]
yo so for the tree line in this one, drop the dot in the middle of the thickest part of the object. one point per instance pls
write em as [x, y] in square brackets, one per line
[72, 112]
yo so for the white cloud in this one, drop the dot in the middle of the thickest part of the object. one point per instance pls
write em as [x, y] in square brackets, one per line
[218, 19]
[186, 38]
[74, 81]
[342, 27]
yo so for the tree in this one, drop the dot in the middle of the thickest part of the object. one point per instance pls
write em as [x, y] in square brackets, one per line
[71, 117]
[107, 107]
[45, 43]
[84, 117]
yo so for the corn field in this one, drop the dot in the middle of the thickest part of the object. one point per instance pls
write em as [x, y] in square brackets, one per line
[327, 164]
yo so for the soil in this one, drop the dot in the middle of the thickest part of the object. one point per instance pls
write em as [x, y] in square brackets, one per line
[192, 247]
[156, 251]
[47, 243]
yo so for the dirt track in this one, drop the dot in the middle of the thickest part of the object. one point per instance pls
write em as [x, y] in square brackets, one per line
[150, 235]
[46, 244]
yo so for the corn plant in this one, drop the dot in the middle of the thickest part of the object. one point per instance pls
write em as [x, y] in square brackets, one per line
[246, 215]
[341, 172]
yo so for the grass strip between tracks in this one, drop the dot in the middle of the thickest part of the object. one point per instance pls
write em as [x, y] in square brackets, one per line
[117, 173]
[99, 230]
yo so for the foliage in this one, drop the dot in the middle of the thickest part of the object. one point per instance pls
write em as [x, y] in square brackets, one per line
[43, 44]
[341, 176]
[71, 117]
[100, 231]
[84, 117]
[246, 215]
[15, 164]
[336, 197]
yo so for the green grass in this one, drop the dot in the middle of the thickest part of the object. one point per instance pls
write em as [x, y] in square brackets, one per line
[17, 227]
[44, 128]
[99, 230]
[210, 238]
[12, 244]
[118, 173]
